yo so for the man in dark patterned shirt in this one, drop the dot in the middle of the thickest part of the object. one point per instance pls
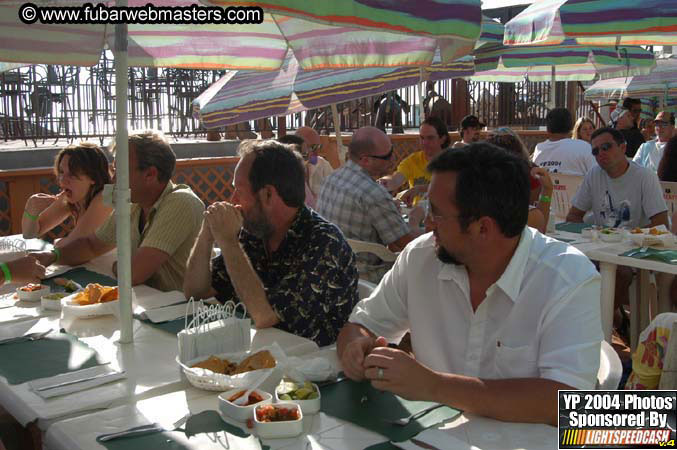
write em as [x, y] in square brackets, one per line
[291, 268]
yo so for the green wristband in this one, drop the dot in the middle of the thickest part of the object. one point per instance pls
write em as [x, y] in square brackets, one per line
[30, 216]
[545, 199]
[57, 252]
[5, 270]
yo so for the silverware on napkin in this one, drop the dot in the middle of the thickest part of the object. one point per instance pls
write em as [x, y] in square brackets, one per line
[26, 337]
[143, 429]
[79, 380]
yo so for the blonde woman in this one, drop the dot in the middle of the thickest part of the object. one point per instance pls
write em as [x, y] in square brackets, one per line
[81, 171]
[583, 129]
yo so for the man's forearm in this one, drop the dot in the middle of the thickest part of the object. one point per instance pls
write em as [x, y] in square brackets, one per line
[531, 400]
[349, 333]
[79, 251]
[197, 281]
[247, 284]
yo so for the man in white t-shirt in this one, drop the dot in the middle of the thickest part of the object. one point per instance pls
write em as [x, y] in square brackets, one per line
[317, 168]
[500, 316]
[560, 153]
[651, 152]
[619, 193]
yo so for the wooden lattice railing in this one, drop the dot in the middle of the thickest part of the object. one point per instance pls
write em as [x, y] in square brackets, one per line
[210, 178]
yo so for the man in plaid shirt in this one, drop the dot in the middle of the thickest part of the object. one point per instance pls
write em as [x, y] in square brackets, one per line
[362, 208]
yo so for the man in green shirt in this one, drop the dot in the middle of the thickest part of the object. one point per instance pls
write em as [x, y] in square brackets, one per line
[166, 218]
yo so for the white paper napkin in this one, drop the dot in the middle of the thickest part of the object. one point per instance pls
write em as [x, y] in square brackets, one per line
[108, 374]
[165, 313]
[13, 330]
[145, 301]
[436, 438]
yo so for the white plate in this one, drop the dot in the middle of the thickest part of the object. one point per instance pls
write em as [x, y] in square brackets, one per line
[32, 296]
[72, 309]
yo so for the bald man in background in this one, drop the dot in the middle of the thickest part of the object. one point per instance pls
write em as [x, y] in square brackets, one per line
[317, 168]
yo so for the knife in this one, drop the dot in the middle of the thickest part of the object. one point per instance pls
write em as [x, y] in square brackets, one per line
[423, 444]
[79, 380]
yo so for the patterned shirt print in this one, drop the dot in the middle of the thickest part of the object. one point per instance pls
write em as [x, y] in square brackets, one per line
[310, 281]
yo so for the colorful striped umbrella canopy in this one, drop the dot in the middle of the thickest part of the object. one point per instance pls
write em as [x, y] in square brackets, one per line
[247, 95]
[661, 83]
[229, 46]
[595, 22]
[458, 19]
[569, 62]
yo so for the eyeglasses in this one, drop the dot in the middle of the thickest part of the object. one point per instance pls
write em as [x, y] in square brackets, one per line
[434, 218]
[315, 147]
[604, 147]
[660, 123]
[384, 157]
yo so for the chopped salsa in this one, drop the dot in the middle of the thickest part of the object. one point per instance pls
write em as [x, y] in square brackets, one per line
[31, 287]
[272, 413]
[254, 397]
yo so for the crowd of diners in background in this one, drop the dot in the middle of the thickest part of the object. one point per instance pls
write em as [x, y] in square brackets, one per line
[468, 219]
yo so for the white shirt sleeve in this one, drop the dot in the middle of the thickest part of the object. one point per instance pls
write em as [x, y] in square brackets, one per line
[569, 350]
[384, 312]
[583, 198]
[639, 156]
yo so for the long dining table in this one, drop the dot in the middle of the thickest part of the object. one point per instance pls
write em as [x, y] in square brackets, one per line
[155, 390]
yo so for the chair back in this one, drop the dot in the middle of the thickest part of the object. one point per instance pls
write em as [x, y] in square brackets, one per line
[610, 368]
[364, 288]
[669, 375]
[371, 247]
[563, 191]
[670, 195]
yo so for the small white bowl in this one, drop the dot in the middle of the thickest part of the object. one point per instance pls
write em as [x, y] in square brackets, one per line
[308, 407]
[588, 233]
[32, 296]
[283, 429]
[611, 237]
[53, 304]
[241, 413]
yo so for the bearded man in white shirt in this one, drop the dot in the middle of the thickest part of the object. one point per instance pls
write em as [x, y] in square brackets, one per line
[500, 316]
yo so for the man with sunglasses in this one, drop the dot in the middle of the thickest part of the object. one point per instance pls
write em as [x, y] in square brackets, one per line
[361, 207]
[619, 193]
[650, 153]
[317, 168]
[500, 316]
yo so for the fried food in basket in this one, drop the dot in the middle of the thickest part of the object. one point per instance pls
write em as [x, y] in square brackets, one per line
[636, 230]
[216, 365]
[656, 232]
[259, 360]
[95, 293]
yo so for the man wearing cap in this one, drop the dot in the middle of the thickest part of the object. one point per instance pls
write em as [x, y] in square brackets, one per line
[559, 153]
[650, 153]
[623, 120]
[470, 131]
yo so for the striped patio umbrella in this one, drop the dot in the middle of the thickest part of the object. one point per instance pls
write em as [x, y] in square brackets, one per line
[661, 84]
[247, 95]
[458, 19]
[595, 22]
[230, 46]
[568, 62]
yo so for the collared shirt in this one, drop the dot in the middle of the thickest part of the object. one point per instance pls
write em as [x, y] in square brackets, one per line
[363, 210]
[541, 319]
[649, 154]
[172, 226]
[310, 280]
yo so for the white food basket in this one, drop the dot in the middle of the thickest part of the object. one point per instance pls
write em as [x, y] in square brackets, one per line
[72, 309]
[645, 239]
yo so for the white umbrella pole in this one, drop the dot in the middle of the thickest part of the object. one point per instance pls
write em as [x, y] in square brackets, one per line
[122, 192]
[340, 149]
[421, 109]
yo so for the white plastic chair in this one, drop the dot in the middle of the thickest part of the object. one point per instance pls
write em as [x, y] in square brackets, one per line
[564, 189]
[371, 247]
[364, 288]
[670, 195]
[610, 368]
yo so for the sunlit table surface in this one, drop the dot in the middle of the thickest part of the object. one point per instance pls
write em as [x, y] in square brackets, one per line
[320, 431]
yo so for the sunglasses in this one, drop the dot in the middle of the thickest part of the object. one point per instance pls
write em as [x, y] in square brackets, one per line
[315, 147]
[660, 123]
[385, 157]
[604, 147]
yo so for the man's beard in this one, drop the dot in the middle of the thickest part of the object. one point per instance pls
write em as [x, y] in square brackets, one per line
[258, 224]
[446, 257]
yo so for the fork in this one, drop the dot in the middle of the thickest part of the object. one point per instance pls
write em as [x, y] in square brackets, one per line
[143, 429]
[404, 421]
[26, 337]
